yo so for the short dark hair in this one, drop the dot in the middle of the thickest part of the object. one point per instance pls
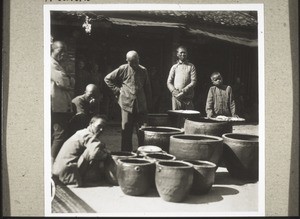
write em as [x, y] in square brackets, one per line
[181, 47]
[215, 73]
[98, 116]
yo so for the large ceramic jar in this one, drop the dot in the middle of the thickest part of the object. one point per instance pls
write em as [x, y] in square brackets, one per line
[196, 147]
[135, 175]
[173, 180]
[204, 176]
[158, 136]
[207, 127]
[241, 155]
[111, 163]
[177, 117]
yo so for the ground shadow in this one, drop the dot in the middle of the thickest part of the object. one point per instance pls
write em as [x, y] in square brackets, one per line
[214, 195]
[224, 178]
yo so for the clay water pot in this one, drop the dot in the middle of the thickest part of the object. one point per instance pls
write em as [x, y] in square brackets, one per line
[111, 163]
[158, 136]
[158, 119]
[177, 117]
[173, 180]
[241, 155]
[135, 175]
[196, 147]
[149, 149]
[204, 176]
[207, 127]
[154, 157]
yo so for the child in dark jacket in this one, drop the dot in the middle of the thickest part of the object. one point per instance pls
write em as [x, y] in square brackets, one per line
[220, 100]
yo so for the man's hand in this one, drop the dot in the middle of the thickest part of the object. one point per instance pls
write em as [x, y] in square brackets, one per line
[179, 96]
[175, 92]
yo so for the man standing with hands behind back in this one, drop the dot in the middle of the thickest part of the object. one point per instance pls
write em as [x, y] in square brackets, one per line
[131, 86]
[181, 82]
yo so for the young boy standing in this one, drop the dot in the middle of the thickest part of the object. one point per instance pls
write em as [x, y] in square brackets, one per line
[220, 98]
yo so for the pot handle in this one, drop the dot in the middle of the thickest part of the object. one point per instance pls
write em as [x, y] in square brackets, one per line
[158, 169]
[137, 168]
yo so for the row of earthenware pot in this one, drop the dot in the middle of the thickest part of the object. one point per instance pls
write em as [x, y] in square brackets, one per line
[173, 179]
[210, 140]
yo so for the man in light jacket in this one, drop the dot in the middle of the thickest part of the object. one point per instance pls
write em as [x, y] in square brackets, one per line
[62, 87]
[181, 82]
[131, 86]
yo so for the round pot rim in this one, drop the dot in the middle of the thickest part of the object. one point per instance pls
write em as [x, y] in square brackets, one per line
[144, 163]
[140, 149]
[180, 112]
[208, 121]
[188, 165]
[205, 162]
[176, 130]
[213, 138]
[226, 136]
[167, 155]
[132, 153]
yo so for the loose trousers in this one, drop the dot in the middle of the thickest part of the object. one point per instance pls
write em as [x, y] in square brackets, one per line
[129, 121]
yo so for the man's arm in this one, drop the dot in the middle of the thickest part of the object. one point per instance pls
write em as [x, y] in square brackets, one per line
[112, 81]
[170, 80]
[61, 79]
[209, 104]
[79, 105]
[232, 102]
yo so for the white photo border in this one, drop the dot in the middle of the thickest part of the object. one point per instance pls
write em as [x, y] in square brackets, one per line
[179, 7]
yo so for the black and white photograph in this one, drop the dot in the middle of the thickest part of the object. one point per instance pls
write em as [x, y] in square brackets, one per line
[154, 110]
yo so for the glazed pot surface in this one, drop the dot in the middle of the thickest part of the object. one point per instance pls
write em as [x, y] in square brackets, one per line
[241, 155]
[173, 180]
[207, 127]
[158, 136]
[111, 164]
[204, 176]
[135, 176]
[196, 147]
[178, 117]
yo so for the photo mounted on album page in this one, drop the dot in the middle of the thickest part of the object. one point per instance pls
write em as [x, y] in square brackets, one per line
[154, 110]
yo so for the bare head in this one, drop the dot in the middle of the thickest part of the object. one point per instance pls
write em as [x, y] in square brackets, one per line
[132, 57]
[182, 53]
[216, 78]
[90, 91]
[58, 50]
[97, 124]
